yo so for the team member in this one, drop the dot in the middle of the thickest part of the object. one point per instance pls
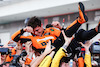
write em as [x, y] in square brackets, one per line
[43, 36]
[60, 53]
[16, 50]
[35, 26]
[87, 59]
[39, 59]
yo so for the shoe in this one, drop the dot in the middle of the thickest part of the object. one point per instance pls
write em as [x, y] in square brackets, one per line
[82, 15]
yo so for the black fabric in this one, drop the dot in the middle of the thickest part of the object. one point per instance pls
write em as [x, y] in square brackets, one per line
[23, 40]
[72, 29]
[38, 50]
[83, 35]
[80, 36]
[17, 38]
[48, 25]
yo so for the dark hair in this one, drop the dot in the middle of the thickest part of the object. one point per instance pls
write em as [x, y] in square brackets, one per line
[34, 22]
[48, 25]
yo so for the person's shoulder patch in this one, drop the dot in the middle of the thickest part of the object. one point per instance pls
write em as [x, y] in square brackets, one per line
[52, 29]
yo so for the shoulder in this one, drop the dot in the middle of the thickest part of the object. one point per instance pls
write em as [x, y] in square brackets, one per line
[52, 31]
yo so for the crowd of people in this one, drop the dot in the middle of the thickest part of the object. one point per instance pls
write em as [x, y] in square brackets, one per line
[53, 46]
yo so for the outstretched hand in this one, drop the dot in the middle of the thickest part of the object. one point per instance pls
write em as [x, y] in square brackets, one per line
[28, 43]
[9, 42]
[18, 43]
[28, 46]
[48, 48]
[87, 44]
[67, 39]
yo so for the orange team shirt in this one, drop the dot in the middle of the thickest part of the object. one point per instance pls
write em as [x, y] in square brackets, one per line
[41, 42]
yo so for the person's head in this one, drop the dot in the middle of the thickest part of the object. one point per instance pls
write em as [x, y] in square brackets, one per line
[35, 23]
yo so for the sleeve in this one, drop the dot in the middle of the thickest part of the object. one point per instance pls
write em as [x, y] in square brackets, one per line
[46, 62]
[18, 36]
[56, 60]
[87, 60]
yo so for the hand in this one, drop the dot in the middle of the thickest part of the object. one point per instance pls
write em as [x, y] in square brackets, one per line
[28, 29]
[19, 45]
[48, 48]
[28, 46]
[28, 43]
[86, 45]
[56, 24]
[9, 42]
[67, 39]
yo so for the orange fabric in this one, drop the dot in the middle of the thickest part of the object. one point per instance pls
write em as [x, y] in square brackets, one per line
[80, 62]
[71, 24]
[96, 28]
[9, 59]
[41, 42]
[53, 31]
[80, 21]
[14, 35]
[28, 61]
[13, 51]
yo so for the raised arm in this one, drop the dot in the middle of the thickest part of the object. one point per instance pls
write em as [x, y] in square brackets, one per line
[18, 48]
[86, 46]
[41, 57]
[61, 52]
[67, 40]
[87, 59]
[9, 42]
[19, 35]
